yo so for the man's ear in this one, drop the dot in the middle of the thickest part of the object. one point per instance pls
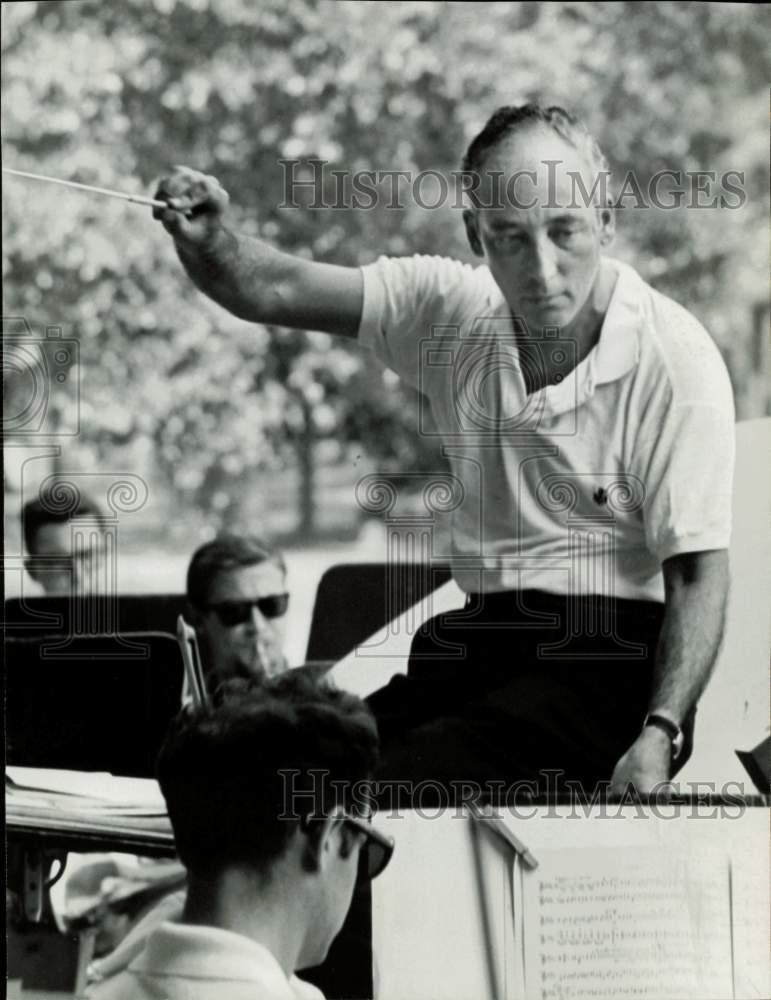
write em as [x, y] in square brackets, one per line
[324, 838]
[607, 225]
[472, 231]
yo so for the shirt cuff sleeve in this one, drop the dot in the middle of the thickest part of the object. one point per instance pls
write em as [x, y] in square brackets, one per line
[370, 327]
[676, 545]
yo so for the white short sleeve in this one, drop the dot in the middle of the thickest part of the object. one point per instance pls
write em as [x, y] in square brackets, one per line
[689, 481]
[406, 298]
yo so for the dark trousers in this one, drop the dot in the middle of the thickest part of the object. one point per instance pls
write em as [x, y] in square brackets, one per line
[521, 683]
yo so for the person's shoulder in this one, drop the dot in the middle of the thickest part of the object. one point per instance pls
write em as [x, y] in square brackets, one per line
[123, 986]
[428, 262]
[167, 908]
[407, 299]
[304, 990]
[435, 270]
[676, 350]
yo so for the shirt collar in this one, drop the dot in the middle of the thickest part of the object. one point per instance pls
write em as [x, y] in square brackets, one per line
[617, 351]
[193, 951]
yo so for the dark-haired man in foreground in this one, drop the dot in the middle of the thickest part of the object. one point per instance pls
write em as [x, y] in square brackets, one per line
[270, 879]
[236, 591]
[589, 421]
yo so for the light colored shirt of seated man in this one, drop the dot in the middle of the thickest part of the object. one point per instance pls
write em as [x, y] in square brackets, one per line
[269, 883]
[186, 962]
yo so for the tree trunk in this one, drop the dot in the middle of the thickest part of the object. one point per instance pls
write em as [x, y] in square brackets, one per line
[306, 462]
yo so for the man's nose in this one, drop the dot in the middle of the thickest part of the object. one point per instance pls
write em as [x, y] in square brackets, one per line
[543, 267]
[257, 619]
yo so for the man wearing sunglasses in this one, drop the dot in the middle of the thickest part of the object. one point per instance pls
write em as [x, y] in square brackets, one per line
[236, 588]
[270, 879]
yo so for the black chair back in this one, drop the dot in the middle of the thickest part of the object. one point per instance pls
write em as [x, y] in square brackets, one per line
[96, 703]
[118, 614]
[354, 600]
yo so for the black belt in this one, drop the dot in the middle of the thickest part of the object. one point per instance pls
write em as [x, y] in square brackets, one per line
[524, 605]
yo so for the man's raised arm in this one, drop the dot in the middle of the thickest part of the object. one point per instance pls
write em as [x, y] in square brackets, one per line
[245, 275]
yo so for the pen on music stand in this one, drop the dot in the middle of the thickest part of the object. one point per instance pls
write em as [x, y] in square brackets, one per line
[496, 824]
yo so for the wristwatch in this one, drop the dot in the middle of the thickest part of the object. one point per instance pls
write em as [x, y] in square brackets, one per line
[673, 731]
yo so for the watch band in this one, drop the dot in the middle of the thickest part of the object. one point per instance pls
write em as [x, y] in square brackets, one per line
[673, 731]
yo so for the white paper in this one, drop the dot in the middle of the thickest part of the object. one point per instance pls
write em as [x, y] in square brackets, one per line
[750, 892]
[639, 923]
[136, 792]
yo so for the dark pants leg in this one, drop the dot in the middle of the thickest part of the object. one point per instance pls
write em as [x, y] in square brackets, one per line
[543, 682]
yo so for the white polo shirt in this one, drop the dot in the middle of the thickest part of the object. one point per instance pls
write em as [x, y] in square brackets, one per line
[588, 484]
[186, 962]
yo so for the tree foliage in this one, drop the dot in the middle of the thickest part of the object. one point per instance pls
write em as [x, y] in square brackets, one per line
[114, 93]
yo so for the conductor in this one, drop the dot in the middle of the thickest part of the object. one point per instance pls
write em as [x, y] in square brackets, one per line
[589, 419]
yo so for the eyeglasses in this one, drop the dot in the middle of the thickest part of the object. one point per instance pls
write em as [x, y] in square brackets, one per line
[232, 613]
[375, 852]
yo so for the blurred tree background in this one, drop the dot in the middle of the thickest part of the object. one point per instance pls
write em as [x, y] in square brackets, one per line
[231, 422]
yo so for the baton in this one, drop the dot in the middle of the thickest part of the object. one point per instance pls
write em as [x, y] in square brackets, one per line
[138, 199]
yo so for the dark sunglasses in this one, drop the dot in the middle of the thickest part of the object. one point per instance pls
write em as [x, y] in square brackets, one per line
[232, 613]
[375, 852]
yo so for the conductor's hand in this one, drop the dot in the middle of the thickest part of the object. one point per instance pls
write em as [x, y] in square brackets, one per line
[645, 765]
[196, 202]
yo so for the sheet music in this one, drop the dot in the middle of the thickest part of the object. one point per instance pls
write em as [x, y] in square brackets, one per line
[58, 800]
[750, 892]
[99, 785]
[618, 922]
